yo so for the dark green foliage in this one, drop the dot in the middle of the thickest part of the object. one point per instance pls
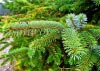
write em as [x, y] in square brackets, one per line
[95, 33]
[55, 9]
[34, 38]
[50, 46]
[87, 62]
[89, 39]
[89, 7]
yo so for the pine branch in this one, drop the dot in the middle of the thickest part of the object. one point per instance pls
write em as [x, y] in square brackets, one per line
[87, 62]
[95, 33]
[72, 45]
[34, 27]
[55, 55]
[37, 25]
[90, 41]
[46, 39]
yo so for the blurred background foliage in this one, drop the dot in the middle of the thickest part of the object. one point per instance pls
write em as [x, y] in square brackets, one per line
[52, 9]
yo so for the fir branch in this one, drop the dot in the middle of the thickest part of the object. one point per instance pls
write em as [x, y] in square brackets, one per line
[34, 27]
[90, 41]
[72, 45]
[46, 39]
[87, 62]
[95, 33]
[37, 25]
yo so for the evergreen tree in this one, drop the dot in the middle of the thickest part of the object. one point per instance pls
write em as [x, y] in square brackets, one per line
[50, 46]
